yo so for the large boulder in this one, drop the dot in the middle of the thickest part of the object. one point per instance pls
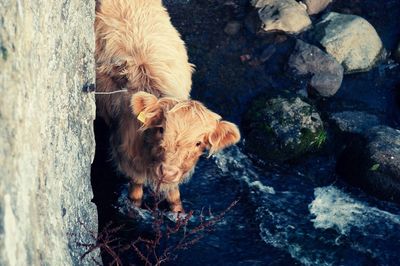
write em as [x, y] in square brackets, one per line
[373, 163]
[281, 129]
[46, 133]
[316, 6]
[282, 15]
[350, 39]
[323, 73]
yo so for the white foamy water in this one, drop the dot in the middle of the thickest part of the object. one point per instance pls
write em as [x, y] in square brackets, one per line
[335, 209]
[232, 161]
[292, 219]
[359, 234]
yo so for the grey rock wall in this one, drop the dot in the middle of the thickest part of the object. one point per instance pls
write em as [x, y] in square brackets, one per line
[46, 135]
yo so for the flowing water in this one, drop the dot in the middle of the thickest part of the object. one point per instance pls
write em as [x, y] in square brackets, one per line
[287, 218]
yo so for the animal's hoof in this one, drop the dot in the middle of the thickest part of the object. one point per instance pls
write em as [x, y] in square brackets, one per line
[177, 209]
[178, 216]
[137, 203]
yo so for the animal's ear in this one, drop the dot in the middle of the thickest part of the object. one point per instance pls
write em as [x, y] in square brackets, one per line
[142, 100]
[224, 135]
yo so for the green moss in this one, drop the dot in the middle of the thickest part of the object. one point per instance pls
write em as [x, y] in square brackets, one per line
[321, 139]
[310, 140]
[375, 167]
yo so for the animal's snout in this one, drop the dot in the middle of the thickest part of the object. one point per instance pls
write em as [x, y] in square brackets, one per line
[170, 173]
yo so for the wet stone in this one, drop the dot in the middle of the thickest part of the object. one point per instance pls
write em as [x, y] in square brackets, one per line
[374, 163]
[383, 150]
[282, 15]
[323, 73]
[354, 121]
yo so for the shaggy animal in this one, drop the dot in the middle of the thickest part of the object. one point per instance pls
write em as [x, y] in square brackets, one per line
[158, 132]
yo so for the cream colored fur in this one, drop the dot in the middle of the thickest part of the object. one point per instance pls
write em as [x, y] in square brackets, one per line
[137, 38]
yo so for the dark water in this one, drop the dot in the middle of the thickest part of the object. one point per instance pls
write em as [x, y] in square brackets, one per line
[298, 214]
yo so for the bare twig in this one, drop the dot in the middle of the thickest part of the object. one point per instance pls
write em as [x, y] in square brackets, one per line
[150, 251]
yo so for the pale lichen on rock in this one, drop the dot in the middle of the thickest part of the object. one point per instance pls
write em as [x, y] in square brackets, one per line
[46, 57]
[351, 40]
[282, 15]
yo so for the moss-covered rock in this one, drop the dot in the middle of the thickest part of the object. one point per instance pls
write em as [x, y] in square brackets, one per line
[281, 129]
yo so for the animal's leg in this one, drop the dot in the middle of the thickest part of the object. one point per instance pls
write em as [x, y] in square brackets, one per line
[136, 193]
[174, 200]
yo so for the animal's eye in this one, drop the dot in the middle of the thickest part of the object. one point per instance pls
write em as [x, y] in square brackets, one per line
[198, 144]
[161, 130]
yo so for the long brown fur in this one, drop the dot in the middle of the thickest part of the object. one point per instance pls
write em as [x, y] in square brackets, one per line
[138, 48]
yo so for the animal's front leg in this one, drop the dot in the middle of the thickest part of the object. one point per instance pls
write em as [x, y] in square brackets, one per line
[136, 193]
[174, 200]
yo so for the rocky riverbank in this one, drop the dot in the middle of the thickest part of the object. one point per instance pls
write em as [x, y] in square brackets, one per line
[348, 44]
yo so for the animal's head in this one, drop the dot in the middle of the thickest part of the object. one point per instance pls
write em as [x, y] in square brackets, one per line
[176, 133]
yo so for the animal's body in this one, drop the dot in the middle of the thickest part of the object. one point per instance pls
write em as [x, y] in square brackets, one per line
[158, 133]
